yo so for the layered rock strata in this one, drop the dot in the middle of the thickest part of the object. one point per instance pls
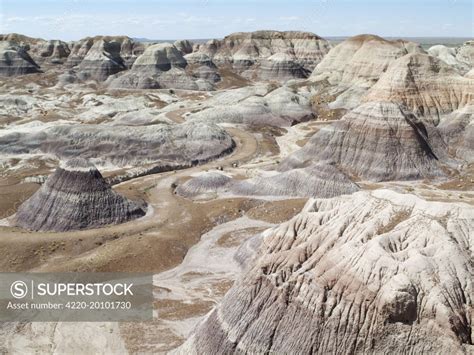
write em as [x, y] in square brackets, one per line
[101, 56]
[425, 85]
[377, 141]
[281, 54]
[15, 60]
[369, 273]
[75, 197]
[356, 64]
[160, 66]
[176, 144]
[280, 107]
[320, 180]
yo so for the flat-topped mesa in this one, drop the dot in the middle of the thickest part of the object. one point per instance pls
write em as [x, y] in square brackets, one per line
[370, 273]
[245, 51]
[15, 60]
[425, 85]
[75, 197]
[378, 141]
[160, 66]
[357, 63]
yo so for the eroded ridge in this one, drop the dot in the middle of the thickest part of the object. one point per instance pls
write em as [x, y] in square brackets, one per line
[376, 272]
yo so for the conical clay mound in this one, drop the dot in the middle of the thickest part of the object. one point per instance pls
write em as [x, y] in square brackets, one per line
[75, 197]
[379, 141]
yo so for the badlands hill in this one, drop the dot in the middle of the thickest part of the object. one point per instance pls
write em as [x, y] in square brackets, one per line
[166, 145]
[261, 55]
[361, 142]
[320, 180]
[369, 273]
[355, 65]
[460, 58]
[226, 141]
[41, 51]
[75, 197]
[162, 66]
[268, 54]
[402, 123]
[427, 86]
[15, 60]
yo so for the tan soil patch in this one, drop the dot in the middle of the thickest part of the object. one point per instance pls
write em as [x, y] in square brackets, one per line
[236, 238]
[277, 211]
[176, 309]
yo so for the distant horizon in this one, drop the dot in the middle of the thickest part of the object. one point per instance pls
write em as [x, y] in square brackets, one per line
[330, 37]
[164, 19]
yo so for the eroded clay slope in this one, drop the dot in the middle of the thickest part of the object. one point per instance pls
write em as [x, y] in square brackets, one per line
[377, 141]
[268, 55]
[369, 273]
[356, 64]
[176, 144]
[425, 85]
[15, 60]
[75, 197]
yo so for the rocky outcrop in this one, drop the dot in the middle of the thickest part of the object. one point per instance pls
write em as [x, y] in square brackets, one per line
[163, 144]
[20, 39]
[102, 60]
[320, 180]
[162, 57]
[42, 51]
[79, 50]
[458, 131]
[425, 85]
[465, 54]
[356, 64]
[198, 58]
[101, 56]
[68, 77]
[280, 107]
[370, 273]
[282, 66]
[207, 183]
[160, 66]
[184, 46]
[282, 54]
[50, 52]
[75, 197]
[377, 141]
[15, 60]
[448, 55]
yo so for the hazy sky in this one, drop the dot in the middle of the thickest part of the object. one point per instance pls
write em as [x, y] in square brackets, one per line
[168, 19]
